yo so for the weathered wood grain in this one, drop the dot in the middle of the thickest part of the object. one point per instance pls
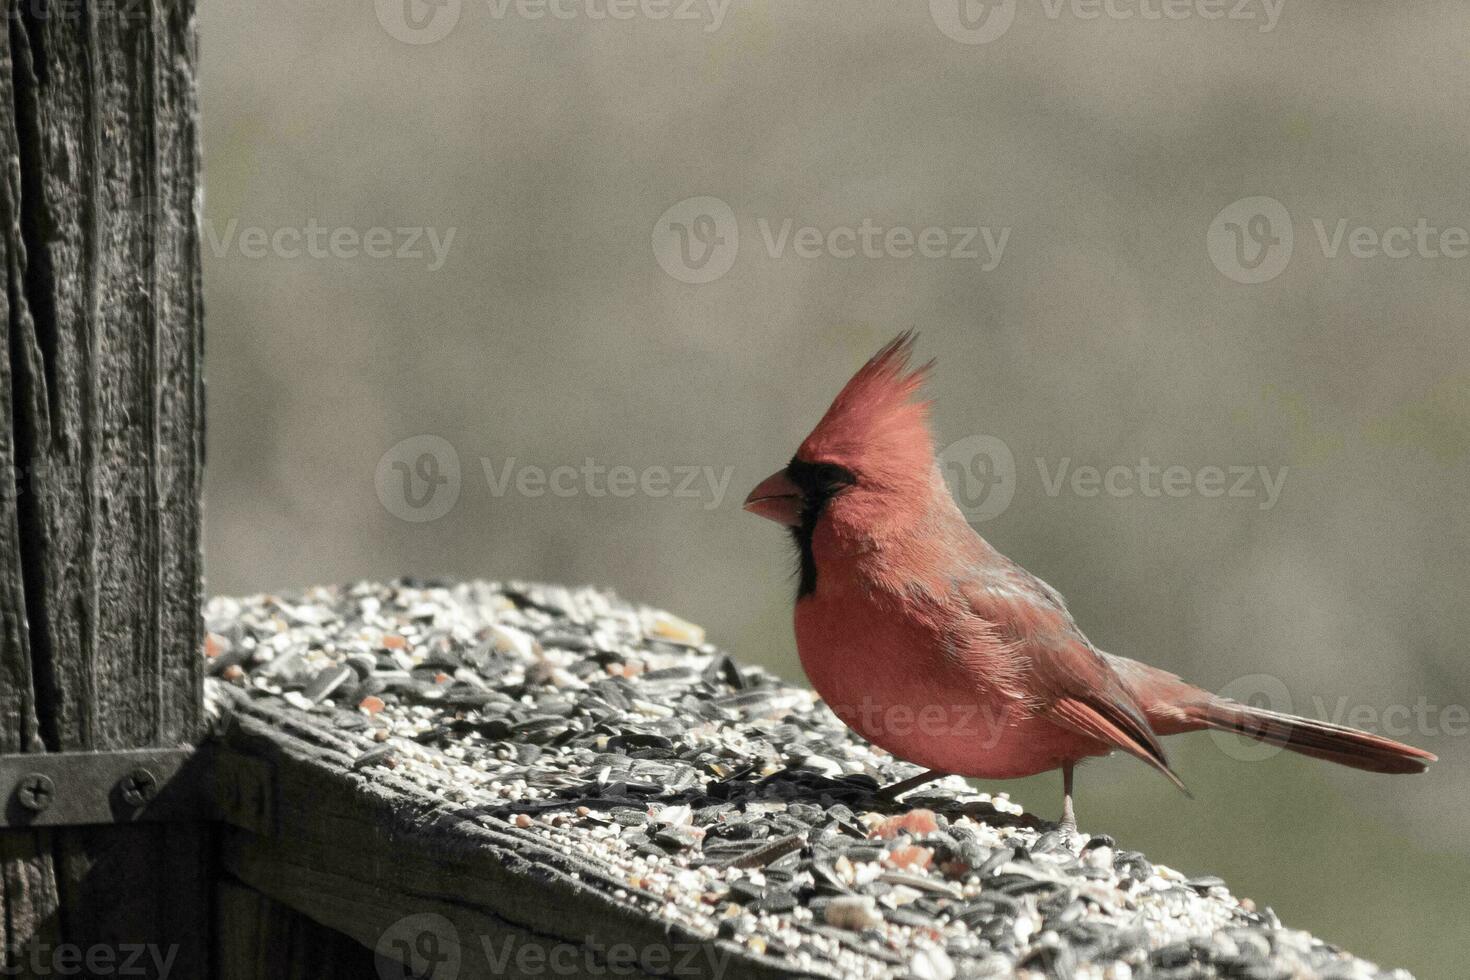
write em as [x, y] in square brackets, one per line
[362, 854]
[260, 938]
[101, 450]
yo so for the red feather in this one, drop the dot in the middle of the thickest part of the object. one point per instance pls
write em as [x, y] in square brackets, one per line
[877, 417]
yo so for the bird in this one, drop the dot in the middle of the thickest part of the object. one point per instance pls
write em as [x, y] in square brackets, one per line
[937, 648]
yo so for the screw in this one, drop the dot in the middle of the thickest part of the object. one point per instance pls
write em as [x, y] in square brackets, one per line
[36, 791]
[138, 787]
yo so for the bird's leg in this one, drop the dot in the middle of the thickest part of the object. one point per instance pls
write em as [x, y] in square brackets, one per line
[894, 791]
[1069, 816]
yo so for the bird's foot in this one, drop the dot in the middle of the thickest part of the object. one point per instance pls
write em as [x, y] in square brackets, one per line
[1068, 824]
[1069, 816]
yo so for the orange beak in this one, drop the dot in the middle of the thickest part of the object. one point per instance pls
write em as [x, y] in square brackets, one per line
[777, 499]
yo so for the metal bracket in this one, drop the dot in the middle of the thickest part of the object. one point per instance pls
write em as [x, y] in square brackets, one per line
[68, 789]
[244, 792]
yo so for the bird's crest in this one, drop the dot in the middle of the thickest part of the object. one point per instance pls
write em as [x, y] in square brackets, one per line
[878, 416]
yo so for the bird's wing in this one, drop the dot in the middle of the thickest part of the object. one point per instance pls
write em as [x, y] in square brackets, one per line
[1072, 683]
[1165, 698]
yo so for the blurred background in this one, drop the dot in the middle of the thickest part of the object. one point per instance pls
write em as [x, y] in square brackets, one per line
[635, 249]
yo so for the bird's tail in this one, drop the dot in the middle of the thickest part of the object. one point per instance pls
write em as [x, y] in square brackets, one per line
[1319, 739]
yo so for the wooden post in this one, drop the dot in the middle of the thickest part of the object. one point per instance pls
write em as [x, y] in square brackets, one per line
[101, 426]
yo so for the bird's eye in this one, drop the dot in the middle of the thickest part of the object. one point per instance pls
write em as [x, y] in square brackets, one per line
[835, 477]
[820, 480]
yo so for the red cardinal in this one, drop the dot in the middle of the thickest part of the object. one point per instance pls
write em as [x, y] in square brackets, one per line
[936, 647]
